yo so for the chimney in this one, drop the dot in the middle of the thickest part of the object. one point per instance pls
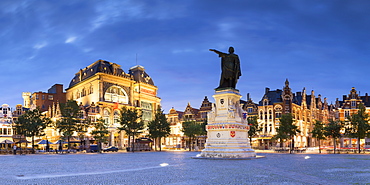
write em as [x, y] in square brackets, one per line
[267, 90]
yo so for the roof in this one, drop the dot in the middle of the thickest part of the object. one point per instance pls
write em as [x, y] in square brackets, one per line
[272, 96]
[100, 66]
[139, 74]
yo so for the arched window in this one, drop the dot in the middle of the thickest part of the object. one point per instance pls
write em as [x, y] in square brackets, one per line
[91, 90]
[106, 115]
[83, 92]
[270, 114]
[116, 119]
[261, 115]
[116, 94]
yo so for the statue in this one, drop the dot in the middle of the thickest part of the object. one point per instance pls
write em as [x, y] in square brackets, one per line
[230, 66]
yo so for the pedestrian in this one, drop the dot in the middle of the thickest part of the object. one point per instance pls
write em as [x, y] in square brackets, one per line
[15, 149]
[60, 148]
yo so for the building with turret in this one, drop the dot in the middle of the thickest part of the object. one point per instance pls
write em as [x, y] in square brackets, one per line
[44, 100]
[103, 88]
[304, 108]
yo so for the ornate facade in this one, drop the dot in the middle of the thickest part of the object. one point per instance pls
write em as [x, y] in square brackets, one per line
[103, 88]
[304, 108]
[177, 139]
[347, 107]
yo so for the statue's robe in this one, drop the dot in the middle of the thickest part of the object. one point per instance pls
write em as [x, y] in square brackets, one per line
[230, 66]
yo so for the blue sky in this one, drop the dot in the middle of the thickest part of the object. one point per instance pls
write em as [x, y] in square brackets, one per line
[320, 45]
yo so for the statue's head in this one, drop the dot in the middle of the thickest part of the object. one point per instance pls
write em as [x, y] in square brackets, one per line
[231, 50]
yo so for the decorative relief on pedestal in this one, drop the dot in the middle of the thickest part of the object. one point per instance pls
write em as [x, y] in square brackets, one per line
[212, 114]
[227, 126]
[231, 110]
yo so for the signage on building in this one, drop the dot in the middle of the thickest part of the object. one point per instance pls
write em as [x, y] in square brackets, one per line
[18, 137]
[147, 91]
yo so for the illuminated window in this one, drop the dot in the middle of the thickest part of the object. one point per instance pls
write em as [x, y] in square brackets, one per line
[91, 89]
[116, 119]
[83, 92]
[116, 94]
[51, 97]
[106, 116]
[5, 111]
[346, 113]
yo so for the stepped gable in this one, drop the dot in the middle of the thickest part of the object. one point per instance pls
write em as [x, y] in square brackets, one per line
[206, 105]
[100, 66]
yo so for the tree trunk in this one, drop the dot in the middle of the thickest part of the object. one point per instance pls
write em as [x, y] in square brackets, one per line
[160, 144]
[189, 143]
[129, 142]
[335, 145]
[319, 147]
[358, 145]
[155, 144]
[99, 147]
[291, 144]
[33, 144]
[69, 144]
[133, 143]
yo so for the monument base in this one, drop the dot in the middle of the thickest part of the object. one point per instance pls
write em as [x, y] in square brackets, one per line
[227, 129]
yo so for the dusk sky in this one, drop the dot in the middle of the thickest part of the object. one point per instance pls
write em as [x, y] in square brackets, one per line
[320, 45]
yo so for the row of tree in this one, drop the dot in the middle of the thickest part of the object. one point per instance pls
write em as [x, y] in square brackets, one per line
[356, 126]
[33, 124]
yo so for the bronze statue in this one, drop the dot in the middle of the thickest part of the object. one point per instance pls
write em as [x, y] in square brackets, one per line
[230, 66]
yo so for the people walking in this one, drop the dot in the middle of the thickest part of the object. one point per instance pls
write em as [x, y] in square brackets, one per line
[15, 149]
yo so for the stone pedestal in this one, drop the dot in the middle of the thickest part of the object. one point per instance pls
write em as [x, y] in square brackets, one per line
[227, 129]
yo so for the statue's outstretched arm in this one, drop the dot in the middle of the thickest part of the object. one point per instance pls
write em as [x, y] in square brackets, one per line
[216, 51]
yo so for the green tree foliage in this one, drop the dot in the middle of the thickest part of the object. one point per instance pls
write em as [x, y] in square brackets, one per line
[71, 117]
[158, 128]
[333, 130]
[318, 132]
[204, 126]
[131, 122]
[32, 124]
[253, 127]
[81, 126]
[192, 129]
[286, 130]
[100, 132]
[358, 125]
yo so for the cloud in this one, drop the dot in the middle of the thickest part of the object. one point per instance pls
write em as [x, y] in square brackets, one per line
[40, 45]
[70, 40]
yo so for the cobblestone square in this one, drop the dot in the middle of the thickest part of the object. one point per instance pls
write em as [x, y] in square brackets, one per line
[179, 168]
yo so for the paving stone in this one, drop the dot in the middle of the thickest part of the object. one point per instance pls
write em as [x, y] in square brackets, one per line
[179, 168]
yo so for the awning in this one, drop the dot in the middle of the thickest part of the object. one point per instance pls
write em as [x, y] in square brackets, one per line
[6, 141]
[44, 142]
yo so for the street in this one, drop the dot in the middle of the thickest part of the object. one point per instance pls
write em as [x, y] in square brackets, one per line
[179, 168]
